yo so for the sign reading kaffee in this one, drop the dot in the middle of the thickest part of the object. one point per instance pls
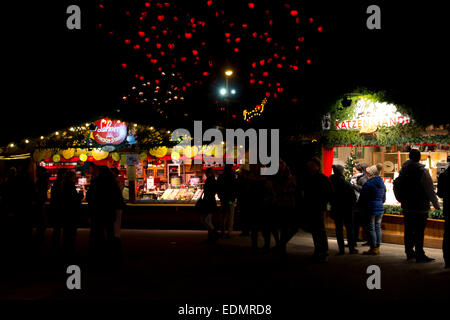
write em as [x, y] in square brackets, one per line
[109, 132]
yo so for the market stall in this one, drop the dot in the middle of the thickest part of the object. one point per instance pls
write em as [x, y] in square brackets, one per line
[150, 168]
[364, 129]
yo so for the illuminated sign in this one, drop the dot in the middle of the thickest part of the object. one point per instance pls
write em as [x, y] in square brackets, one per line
[370, 115]
[110, 132]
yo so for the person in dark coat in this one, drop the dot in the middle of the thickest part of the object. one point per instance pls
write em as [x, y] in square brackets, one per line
[444, 193]
[41, 198]
[284, 186]
[71, 215]
[371, 200]
[57, 208]
[209, 205]
[342, 204]
[415, 192]
[226, 190]
[317, 193]
[104, 200]
[358, 179]
[243, 207]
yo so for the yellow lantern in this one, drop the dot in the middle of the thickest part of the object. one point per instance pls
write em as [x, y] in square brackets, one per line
[123, 159]
[175, 155]
[99, 154]
[56, 158]
[83, 157]
[143, 156]
[115, 156]
[68, 153]
[45, 154]
[158, 152]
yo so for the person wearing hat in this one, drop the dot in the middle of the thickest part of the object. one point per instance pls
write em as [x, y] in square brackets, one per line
[342, 203]
[371, 200]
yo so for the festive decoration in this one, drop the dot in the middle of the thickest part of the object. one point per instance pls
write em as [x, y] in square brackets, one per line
[257, 111]
[68, 153]
[99, 154]
[349, 165]
[83, 157]
[56, 158]
[115, 156]
[178, 47]
[158, 152]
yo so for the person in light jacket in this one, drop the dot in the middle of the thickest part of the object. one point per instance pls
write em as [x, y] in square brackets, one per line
[371, 200]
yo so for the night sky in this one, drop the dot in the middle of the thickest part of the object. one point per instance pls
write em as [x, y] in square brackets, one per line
[55, 77]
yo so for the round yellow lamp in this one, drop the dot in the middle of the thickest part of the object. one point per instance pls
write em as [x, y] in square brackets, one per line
[56, 158]
[99, 154]
[83, 157]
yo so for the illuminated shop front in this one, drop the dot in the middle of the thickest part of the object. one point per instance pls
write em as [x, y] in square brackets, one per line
[151, 168]
[363, 129]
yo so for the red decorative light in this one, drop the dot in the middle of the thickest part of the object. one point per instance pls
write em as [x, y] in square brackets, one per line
[294, 13]
[194, 52]
[251, 5]
[124, 65]
[265, 74]
[141, 34]
[188, 35]
[308, 61]
[238, 40]
[227, 34]
[161, 17]
[320, 29]
[127, 41]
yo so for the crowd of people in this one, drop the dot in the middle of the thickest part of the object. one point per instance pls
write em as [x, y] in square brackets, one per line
[276, 206]
[23, 207]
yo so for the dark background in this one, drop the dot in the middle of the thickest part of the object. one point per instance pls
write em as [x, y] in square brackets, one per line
[54, 77]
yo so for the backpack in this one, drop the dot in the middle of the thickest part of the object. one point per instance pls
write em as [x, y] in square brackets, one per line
[406, 185]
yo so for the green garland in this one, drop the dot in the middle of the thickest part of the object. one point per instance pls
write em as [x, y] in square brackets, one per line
[408, 134]
[397, 210]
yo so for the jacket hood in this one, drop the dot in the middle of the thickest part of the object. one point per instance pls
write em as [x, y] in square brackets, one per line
[411, 165]
[376, 181]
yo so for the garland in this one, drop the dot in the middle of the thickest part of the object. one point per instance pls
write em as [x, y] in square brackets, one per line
[397, 210]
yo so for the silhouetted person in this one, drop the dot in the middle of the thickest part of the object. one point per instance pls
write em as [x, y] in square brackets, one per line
[57, 207]
[342, 204]
[208, 206]
[226, 190]
[358, 179]
[284, 186]
[444, 192]
[414, 189]
[317, 194]
[104, 199]
[243, 206]
[25, 189]
[371, 200]
[41, 198]
[259, 196]
[72, 204]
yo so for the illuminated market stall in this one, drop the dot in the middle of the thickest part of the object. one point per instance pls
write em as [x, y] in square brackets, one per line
[365, 129]
[150, 167]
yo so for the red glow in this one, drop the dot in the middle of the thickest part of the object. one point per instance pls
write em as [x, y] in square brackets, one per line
[161, 17]
[308, 61]
[244, 26]
[188, 35]
[265, 74]
[279, 66]
[227, 34]
[124, 65]
[294, 13]
[147, 4]
[261, 62]
[238, 40]
[194, 52]
[251, 5]
[320, 29]
[236, 49]
[141, 34]
[127, 41]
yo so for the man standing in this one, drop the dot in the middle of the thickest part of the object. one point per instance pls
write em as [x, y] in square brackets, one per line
[444, 192]
[414, 189]
[317, 193]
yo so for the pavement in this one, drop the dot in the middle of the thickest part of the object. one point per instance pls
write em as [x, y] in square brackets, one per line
[164, 267]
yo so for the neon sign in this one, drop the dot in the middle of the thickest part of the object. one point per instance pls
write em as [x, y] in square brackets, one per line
[109, 132]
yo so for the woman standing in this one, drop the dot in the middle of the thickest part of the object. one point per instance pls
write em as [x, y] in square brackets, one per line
[358, 179]
[208, 205]
[371, 199]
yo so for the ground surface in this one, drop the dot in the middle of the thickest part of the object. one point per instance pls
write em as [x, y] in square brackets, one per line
[175, 267]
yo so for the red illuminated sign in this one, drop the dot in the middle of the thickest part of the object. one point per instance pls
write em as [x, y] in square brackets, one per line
[109, 132]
